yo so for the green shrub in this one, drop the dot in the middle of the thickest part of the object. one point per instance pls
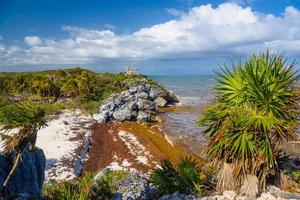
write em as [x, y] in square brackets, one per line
[89, 107]
[186, 177]
[85, 187]
[53, 108]
[295, 175]
[103, 189]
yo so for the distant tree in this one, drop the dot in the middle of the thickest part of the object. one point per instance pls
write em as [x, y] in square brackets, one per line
[46, 88]
[83, 83]
[70, 88]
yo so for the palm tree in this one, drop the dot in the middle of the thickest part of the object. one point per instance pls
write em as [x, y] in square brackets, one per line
[255, 111]
[28, 119]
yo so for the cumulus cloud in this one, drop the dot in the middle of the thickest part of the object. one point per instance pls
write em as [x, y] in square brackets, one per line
[33, 40]
[205, 31]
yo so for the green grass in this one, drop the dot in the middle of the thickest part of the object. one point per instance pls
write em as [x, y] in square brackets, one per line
[295, 175]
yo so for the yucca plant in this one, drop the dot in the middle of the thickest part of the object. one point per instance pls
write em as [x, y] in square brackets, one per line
[255, 111]
[165, 178]
[28, 119]
[185, 177]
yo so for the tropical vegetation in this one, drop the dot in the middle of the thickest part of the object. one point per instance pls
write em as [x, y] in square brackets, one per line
[27, 119]
[185, 177]
[255, 111]
[56, 89]
[86, 187]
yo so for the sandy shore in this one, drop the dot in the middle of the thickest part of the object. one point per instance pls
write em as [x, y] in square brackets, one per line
[73, 142]
[65, 142]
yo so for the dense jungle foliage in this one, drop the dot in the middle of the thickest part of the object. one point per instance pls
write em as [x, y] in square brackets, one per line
[56, 89]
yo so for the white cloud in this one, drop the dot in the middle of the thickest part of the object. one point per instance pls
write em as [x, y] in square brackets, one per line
[204, 31]
[33, 40]
[242, 2]
[175, 12]
[2, 48]
[110, 26]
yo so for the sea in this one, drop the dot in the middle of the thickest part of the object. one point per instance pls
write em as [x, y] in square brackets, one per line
[194, 92]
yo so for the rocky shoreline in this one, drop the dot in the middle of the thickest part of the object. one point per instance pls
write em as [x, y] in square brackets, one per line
[66, 141]
[122, 135]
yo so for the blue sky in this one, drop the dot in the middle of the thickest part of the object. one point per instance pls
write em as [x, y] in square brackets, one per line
[158, 36]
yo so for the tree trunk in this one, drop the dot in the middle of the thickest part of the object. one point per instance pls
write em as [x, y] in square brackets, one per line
[16, 162]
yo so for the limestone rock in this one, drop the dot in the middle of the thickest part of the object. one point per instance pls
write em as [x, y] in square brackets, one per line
[139, 102]
[29, 175]
[154, 93]
[122, 114]
[161, 102]
[143, 116]
[146, 105]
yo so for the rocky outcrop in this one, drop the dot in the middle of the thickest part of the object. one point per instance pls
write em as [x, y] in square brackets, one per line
[141, 102]
[28, 177]
[134, 187]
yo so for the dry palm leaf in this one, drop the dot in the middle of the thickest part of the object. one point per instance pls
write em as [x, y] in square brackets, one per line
[250, 186]
[225, 177]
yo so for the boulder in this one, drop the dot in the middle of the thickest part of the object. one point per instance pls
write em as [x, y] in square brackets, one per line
[28, 177]
[173, 97]
[154, 92]
[142, 95]
[161, 102]
[132, 105]
[143, 116]
[169, 97]
[123, 114]
[146, 105]
[103, 116]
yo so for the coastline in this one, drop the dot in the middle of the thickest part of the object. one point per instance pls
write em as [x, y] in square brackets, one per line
[130, 146]
[75, 143]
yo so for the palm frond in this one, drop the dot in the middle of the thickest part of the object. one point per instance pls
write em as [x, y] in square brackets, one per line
[256, 111]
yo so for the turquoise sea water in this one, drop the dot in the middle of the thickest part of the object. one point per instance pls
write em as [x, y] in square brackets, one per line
[193, 93]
